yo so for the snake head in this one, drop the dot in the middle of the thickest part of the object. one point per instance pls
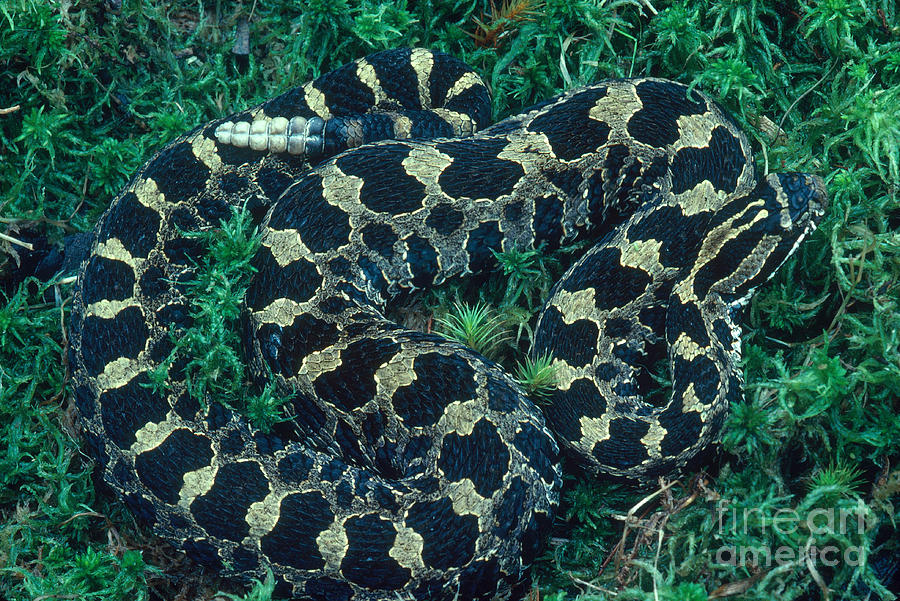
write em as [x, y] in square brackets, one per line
[798, 199]
[755, 234]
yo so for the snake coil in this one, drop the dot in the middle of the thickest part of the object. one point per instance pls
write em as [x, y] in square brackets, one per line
[416, 468]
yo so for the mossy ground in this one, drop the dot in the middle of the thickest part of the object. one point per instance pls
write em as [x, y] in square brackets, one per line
[90, 89]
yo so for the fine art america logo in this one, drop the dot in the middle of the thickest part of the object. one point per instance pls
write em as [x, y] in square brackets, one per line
[828, 533]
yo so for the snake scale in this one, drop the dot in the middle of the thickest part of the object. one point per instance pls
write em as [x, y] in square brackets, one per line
[416, 468]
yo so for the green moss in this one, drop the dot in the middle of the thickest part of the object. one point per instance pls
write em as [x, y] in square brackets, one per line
[537, 376]
[210, 348]
[477, 327]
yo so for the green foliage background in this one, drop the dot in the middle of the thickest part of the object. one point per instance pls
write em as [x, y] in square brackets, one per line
[91, 88]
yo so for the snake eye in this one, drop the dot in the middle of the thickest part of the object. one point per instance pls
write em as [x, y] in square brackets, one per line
[801, 189]
[798, 194]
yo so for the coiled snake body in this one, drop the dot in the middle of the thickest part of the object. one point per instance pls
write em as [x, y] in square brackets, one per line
[417, 468]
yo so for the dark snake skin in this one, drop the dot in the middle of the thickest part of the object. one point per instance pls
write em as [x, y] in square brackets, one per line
[415, 468]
